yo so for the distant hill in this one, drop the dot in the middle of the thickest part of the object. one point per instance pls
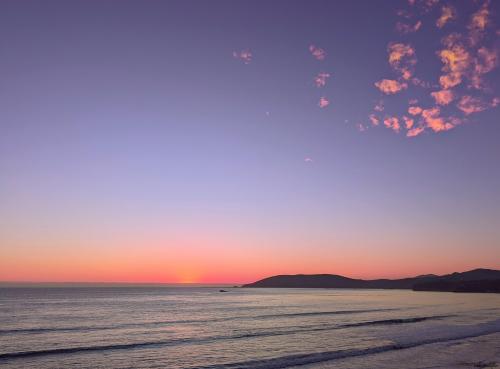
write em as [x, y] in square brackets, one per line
[483, 285]
[477, 280]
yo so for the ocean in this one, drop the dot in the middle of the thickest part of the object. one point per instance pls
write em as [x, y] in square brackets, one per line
[200, 327]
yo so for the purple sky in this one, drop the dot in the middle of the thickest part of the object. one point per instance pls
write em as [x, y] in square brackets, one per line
[230, 140]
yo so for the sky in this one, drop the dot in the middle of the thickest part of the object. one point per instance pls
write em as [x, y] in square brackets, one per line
[227, 141]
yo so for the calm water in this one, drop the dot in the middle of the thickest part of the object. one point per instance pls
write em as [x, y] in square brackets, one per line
[139, 327]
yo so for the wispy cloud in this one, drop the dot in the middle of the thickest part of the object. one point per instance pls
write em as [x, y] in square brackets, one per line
[404, 13]
[379, 106]
[317, 52]
[421, 83]
[485, 61]
[374, 120]
[390, 86]
[469, 105]
[448, 13]
[478, 23]
[323, 102]
[427, 5]
[320, 79]
[244, 55]
[443, 97]
[415, 131]
[360, 127]
[405, 28]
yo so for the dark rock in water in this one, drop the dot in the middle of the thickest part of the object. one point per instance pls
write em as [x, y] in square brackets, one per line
[222, 291]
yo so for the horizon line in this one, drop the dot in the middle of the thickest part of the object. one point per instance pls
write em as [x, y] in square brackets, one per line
[173, 284]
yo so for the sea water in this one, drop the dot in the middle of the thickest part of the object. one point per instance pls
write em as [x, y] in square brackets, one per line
[201, 327]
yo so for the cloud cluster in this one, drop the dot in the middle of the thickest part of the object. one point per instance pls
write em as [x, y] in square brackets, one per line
[456, 61]
[469, 104]
[432, 117]
[402, 58]
[449, 98]
[465, 63]
[320, 78]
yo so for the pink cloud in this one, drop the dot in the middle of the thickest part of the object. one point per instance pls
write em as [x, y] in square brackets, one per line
[244, 55]
[448, 13]
[323, 102]
[478, 23]
[469, 105]
[443, 97]
[320, 79]
[390, 86]
[415, 131]
[485, 61]
[308, 160]
[317, 52]
[408, 122]
[435, 122]
[414, 110]
[392, 123]
[402, 58]
[456, 60]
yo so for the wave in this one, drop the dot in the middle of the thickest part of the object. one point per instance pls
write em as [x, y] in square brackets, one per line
[317, 357]
[395, 321]
[186, 321]
[171, 342]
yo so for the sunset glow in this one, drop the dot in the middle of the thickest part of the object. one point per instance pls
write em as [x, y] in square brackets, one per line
[231, 141]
